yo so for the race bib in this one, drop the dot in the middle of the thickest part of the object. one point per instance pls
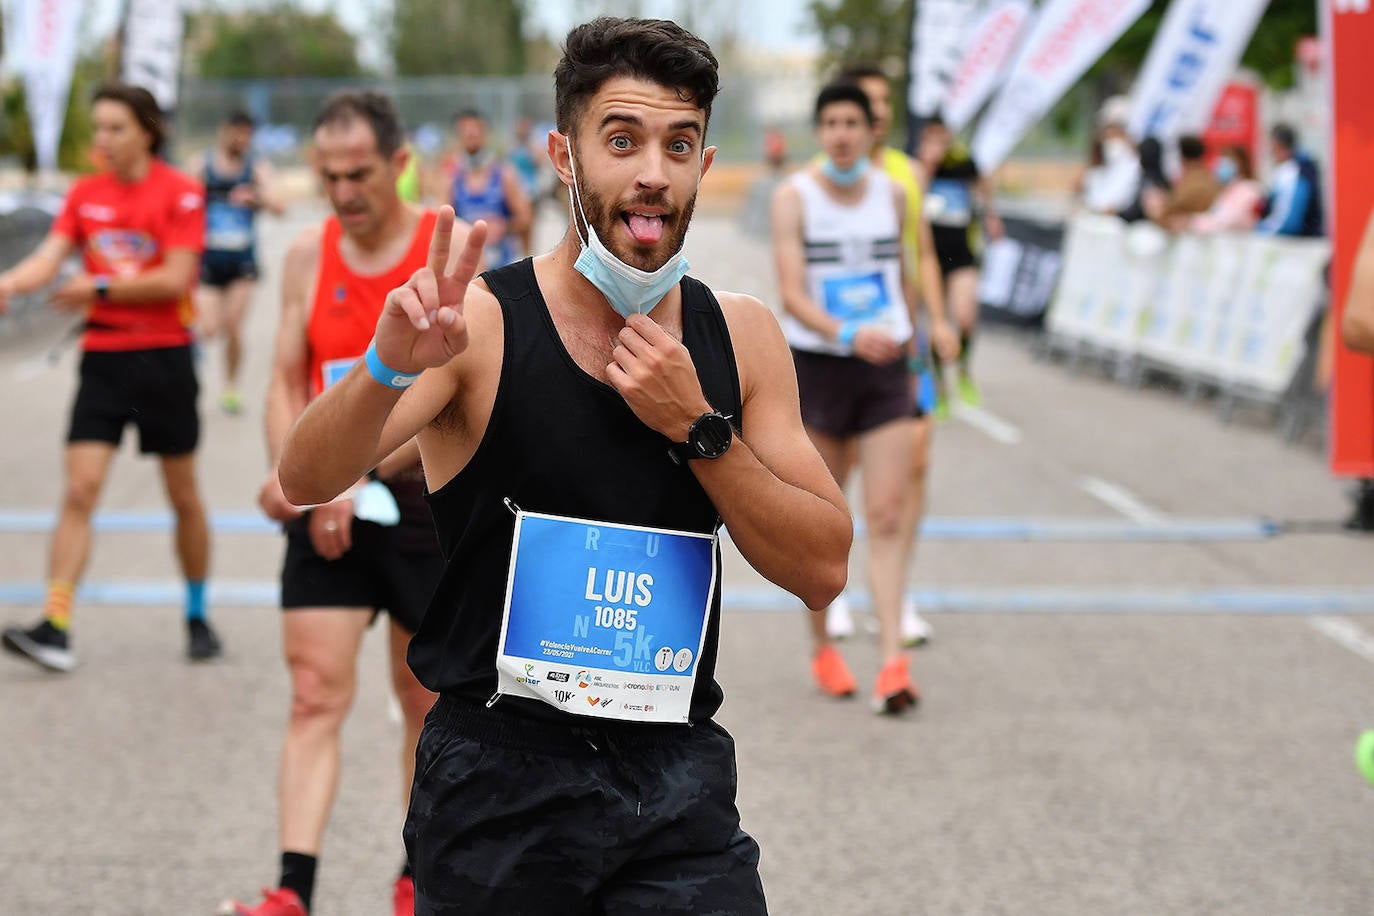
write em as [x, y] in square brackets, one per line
[227, 227]
[605, 620]
[948, 203]
[856, 297]
[331, 370]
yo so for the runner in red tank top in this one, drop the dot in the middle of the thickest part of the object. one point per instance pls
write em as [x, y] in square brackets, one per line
[374, 548]
[139, 228]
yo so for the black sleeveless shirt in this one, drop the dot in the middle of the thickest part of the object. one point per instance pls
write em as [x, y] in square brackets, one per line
[560, 442]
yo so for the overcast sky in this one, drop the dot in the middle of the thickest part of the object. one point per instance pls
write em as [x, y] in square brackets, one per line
[778, 25]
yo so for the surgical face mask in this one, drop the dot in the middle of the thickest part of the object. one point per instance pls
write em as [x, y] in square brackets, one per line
[844, 177]
[475, 162]
[1115, 150]
[1225, 170]
[628, 289]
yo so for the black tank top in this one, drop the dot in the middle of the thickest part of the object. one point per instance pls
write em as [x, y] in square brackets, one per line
[560, 442]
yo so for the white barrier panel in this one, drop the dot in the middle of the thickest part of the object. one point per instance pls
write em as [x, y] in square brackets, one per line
[1231, 309]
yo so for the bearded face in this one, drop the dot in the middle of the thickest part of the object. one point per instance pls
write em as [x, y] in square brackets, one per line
[644, 230]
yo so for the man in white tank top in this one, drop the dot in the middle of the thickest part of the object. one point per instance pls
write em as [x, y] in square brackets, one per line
[837, 239]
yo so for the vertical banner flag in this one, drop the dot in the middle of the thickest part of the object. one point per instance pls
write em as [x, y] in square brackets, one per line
[1349, 38]
[46, 32]
[1192, 57]
[152, 48]
[935, 51]
[988, 45]
[1068, 37]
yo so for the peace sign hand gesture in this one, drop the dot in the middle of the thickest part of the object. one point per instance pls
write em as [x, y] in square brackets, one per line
[422, 324]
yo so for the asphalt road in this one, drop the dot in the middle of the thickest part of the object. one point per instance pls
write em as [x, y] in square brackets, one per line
[1140, 699]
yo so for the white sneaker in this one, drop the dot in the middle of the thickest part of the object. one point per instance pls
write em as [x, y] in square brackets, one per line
[915, 630]
[839, 622]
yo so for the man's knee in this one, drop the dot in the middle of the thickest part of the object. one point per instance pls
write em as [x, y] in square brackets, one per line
[318, 694]
[81, 493]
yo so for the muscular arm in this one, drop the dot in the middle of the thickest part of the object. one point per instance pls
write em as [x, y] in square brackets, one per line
[39, 268]
[784, 511]
[289, 387]
[1357, 321]
[789, 256]
[269, 192]
[521, 212]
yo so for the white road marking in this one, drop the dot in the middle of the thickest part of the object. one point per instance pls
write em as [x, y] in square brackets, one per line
[1123, 501]
[991, 425]
[1347, 634]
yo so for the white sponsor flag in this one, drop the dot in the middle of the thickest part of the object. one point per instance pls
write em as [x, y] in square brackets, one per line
[152, 48]
[1193, 55]
[1068, 37]
[988, 46]
[935, 51]
[46, 38]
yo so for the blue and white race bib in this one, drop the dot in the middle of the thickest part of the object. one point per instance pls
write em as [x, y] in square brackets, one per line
[605, 620]
[228, 227]
[331, 370]
[856, 297]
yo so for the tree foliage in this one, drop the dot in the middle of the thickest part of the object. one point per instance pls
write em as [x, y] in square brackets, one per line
[863, 31]
[441, 37]
[276, 42]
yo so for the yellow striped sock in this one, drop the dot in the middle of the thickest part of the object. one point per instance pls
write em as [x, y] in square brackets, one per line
[57, 609]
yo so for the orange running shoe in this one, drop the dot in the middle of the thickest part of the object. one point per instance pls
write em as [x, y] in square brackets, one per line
[281, 902]
[403, 897]
[832, 674]
[895, 693]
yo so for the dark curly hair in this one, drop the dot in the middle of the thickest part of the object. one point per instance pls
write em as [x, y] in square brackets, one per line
[657, 50]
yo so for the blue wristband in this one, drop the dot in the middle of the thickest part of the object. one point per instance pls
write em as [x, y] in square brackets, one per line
[383, 373]
[846, 334]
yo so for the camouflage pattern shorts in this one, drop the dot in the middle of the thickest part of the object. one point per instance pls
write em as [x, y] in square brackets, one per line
[513, 815]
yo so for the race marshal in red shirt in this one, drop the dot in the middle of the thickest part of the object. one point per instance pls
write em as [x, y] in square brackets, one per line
[139, 227]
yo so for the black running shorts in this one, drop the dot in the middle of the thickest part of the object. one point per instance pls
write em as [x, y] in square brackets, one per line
[513, 815]
[153, 389]
[843, 396]
[222, 268]
[376, 574]
[952, 249]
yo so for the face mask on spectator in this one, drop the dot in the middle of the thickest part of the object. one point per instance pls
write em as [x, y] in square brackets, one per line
[1225, 170]
[1115, 150]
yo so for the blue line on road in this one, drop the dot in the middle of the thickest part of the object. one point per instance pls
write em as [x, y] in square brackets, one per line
[1016, 600]
[937, 528]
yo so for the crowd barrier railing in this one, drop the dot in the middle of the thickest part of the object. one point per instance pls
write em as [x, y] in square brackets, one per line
[1229, 310]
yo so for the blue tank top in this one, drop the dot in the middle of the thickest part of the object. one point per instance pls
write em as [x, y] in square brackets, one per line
[228, 226]
[487, 203]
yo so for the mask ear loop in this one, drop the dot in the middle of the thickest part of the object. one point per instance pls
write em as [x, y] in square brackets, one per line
[576, 195]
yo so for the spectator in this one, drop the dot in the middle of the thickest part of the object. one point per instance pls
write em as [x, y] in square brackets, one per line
[1196, 188]
[1295, 196]
[1238, 204]
[1113, 178]
[1153, 186]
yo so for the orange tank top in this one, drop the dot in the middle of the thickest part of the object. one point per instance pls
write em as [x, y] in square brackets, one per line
[344, 312]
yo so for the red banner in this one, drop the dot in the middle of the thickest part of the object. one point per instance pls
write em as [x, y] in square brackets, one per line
[1350, 191]
[1235, 120]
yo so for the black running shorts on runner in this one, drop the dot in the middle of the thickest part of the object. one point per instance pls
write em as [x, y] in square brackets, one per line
[952, 249]
[843, 396]
[153, 389]
[375, 574]
[512, 815]
[223, 268]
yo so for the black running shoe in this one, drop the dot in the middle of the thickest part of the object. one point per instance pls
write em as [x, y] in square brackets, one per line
[44, 644]
[201, 642]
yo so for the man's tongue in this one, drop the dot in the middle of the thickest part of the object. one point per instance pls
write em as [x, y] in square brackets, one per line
[647, 230]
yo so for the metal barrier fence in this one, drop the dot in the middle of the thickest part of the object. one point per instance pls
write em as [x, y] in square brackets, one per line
[1230, 312]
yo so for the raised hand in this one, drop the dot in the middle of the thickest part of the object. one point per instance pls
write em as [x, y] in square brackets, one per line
[422, 324]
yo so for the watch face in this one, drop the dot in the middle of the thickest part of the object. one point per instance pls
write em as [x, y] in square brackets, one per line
[711, 435]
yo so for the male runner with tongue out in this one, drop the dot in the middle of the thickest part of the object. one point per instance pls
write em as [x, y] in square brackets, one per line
[587, 421]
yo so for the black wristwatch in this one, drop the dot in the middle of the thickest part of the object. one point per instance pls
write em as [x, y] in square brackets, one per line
[709, 437]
